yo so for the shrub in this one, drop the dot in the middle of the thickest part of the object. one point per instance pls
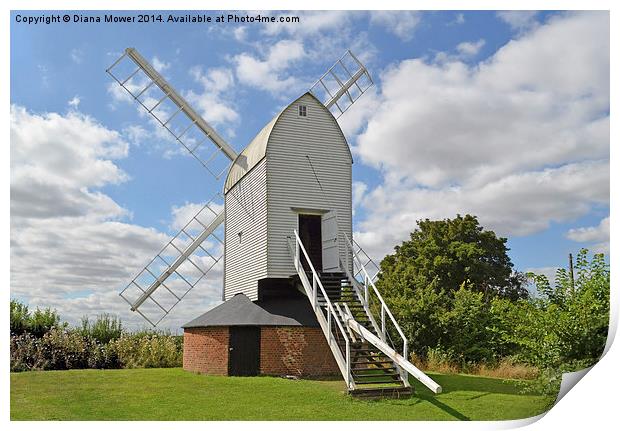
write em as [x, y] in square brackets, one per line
[19, 317]
[148, 351]
[105, 329]
[59, 349]
[37, 323]
[438, 360]
[466, 328]
[26, 353]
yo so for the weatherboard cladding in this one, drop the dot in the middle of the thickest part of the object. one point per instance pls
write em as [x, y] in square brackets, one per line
[303, 152]
[245, 259]
[295, 164]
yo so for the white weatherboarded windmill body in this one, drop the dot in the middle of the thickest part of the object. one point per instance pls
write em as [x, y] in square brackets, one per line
[298, 296]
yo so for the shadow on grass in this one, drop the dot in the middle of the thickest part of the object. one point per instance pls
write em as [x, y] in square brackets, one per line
[446, 408]
[459, 382]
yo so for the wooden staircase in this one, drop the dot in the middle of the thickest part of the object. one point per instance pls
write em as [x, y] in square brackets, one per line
[374, 373]
[371, 364]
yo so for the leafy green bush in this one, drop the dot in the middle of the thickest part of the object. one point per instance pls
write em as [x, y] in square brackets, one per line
[566, 324]
[19, 317]
[59, 349]
[105, 329]
[37, 323]
[466, 337]
[151, 350]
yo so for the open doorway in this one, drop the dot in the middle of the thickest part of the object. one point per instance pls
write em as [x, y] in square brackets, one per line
[310, 235]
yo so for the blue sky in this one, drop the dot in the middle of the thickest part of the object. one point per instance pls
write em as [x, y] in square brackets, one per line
[504, 115]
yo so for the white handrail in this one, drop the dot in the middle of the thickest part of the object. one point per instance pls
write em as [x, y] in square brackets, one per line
[384, 307]
[398, 359]
[311, 291]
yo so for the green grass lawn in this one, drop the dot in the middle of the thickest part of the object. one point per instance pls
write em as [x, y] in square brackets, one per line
[174, 394]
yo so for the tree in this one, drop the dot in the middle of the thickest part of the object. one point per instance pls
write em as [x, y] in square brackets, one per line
[577, 317]
[454, 251]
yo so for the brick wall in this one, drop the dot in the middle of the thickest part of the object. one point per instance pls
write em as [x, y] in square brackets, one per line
[295, 350]
[284, 350]
[205, 350]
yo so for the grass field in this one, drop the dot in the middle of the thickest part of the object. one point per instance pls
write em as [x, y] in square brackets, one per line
[173, 394]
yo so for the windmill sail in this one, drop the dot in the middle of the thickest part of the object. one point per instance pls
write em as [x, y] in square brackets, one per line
[148, 88]
[342, 84]
[194, 251]
[197, 249]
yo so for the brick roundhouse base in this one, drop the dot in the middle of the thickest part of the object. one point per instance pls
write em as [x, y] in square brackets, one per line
[284, 350]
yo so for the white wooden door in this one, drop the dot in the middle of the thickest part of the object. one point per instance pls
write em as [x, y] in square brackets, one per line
[329, 233]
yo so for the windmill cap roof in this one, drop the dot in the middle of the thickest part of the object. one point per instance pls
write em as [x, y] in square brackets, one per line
[240, 311]
[257, 148]
[250, 156]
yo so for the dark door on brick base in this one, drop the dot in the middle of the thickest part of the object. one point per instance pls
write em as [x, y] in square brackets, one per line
[244, 351]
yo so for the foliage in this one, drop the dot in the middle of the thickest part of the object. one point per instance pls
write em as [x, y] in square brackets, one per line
[19, 317]
[59, 349]
[148, 351]
[466, 336]
[451, 252]
[105, 329]
[37, 323]
[488, 318]
[39, 341]
[418, 312]
[567, 324]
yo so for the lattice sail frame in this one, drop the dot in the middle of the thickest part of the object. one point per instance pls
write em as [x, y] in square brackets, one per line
[159, 99]
[178, 282]
[342, 84]
[365, 262]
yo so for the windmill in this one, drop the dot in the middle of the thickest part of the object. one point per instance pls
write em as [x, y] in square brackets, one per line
[283, 229]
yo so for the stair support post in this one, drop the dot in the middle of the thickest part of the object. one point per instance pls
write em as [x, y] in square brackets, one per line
[348, 359]
[383, 322]
[314, 292]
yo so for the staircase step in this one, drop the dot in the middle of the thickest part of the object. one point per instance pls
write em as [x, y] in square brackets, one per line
[372, 362]
[363, 380]
[377, 381]
[374, 370]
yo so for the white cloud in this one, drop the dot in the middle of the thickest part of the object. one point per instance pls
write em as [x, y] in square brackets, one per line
[266, 74]
[459, 19]
[519, 110]
[74, 103]
[401, 23]
[515, 139]
[518, 204]
[181, 215]
[240, 33]
[211, 102]
[311, 23]
[519, 20]
[136, 134]
[470, 49]
[359, 190]
[159, 65]
[598, 236]
[70, 246]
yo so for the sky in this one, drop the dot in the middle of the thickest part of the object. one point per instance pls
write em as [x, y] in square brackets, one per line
[504, 115]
